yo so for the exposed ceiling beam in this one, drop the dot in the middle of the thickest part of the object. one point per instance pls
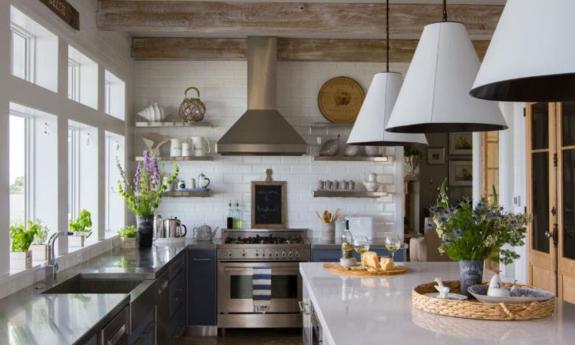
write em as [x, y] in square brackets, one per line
[289, 49]
[286, 19]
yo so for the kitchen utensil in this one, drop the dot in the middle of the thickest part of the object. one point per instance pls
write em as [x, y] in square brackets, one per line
[330, 147]
[173, 228]
[193, 184]
[200, 146]
[321, 185]
[203, 181]
[204, 233]
[192, 109]
[450, 295]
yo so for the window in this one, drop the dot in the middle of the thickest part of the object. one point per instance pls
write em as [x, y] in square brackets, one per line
[82, 78]
[33, 167]
[115, 218]
[115, 95]
[29, 39]
[83, 174]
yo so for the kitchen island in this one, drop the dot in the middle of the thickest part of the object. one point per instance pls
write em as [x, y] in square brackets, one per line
[377, 310]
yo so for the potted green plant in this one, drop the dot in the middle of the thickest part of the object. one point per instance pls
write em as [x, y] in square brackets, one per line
[20, 240]
[411, 158]
[143, 193]
[128, 236]
[40, 248]
[471, 235]
[80, 229]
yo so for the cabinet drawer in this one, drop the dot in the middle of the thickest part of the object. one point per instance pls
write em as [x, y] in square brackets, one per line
[177, 325]
[116, 331]
[177, 266]
[177, 288]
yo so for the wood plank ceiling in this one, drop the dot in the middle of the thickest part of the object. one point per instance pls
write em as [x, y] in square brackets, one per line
[308, 31]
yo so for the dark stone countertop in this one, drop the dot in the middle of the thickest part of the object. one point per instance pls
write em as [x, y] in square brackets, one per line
[30, 317]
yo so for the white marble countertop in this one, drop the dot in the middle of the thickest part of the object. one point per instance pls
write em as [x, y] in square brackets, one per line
[377, 310]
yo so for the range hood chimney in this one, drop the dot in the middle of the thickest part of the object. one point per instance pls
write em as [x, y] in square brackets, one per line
[262, 130]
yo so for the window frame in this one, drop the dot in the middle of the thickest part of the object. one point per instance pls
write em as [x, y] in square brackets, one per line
[29, 53]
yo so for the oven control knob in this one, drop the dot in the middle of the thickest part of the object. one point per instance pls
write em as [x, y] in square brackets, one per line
[297, 254]
[244, 254]
[290, 254]
[277, 254]
[229, 253]
[283, 253]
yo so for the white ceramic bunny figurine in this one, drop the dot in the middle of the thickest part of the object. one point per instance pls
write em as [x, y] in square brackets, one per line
[442, 289]
[495, 289]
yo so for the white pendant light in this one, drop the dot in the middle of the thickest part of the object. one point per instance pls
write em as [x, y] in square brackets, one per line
[369, 127]
[531, 56]
[435, 94]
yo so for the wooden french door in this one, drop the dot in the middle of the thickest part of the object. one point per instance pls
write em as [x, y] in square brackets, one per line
[551, 197]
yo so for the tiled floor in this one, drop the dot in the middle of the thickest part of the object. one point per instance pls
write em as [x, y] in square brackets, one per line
[249, 337]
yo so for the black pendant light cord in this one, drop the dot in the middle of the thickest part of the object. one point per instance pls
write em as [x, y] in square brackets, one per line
[444, 10]
[387, 36]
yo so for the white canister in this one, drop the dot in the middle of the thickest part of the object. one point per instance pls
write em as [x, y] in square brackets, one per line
[186, 149]
[372, 177]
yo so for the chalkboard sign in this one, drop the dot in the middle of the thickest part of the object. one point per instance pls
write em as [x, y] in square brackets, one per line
[269, 204]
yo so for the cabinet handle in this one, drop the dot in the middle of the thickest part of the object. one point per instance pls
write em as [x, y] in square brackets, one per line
[116, 337]
[163, 287]
[304, 307]
[201, 259]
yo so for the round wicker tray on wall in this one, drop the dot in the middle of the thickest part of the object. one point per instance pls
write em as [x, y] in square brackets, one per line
[472, 309]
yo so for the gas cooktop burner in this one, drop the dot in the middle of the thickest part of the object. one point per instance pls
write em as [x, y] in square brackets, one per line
[270, 239]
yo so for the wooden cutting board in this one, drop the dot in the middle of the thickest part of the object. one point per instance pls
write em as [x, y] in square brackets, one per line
[339, 269]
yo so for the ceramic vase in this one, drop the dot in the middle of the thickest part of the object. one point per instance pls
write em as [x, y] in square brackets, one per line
[40, 251]
[145, 231]
[129, 243]
[20, 261]
[470, 273]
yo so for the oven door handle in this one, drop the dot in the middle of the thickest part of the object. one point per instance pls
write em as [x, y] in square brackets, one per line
[304, 307]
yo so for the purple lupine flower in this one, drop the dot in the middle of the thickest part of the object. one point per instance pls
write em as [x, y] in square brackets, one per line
[138, 177]
[156, 175]
[122, 173]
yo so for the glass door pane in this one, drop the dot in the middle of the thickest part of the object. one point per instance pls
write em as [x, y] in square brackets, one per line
[540, 126]
[568, 185]
[540, 200]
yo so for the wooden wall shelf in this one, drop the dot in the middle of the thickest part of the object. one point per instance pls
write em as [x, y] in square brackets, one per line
[171, 124]
[353, 159]
[344, 194]
[180, 159]
[190, 194]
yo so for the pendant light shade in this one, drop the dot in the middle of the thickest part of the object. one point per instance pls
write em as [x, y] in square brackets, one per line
[369, 127]
[531, 56]
[435, 94]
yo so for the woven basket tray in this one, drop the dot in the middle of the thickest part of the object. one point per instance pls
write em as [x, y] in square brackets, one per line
[472, 309]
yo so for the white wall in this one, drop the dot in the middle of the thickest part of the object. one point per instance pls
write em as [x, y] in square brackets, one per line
[110, 50]
[223, 87]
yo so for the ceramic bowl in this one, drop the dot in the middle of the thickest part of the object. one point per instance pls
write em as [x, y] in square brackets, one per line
[518, 295]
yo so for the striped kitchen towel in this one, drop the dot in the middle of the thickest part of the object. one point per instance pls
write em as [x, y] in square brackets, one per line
[262, 288]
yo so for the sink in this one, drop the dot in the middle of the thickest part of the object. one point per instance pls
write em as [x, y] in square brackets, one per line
[94, 284]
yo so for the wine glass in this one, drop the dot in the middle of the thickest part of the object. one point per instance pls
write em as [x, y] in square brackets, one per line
[392, 243]
[360, 245]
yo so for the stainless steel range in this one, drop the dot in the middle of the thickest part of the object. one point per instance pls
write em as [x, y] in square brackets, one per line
[240, 253]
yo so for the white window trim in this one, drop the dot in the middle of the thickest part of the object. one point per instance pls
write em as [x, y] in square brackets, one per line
[30, 53]
[74, 171]
[29, 164]
[74, 75]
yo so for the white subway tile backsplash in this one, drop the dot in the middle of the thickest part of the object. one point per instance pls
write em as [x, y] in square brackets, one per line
[223, 88]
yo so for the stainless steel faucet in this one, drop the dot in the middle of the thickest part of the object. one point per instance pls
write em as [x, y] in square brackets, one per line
[52, 262]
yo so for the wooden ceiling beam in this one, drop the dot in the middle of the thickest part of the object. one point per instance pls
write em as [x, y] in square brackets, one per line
[289, 49]
[286, 19]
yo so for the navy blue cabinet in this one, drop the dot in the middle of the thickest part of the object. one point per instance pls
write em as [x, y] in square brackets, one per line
[202, 289]
[331, 255]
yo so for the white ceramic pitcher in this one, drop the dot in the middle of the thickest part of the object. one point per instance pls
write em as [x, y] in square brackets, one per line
[200, 146]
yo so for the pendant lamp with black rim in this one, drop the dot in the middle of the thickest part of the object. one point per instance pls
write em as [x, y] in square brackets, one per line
[369, 127]
[531, 57]
[435, 94]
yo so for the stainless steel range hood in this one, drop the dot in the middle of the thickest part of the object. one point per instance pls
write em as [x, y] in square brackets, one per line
[262, 130]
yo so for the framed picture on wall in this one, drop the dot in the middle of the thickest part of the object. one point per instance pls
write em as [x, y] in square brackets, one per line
[460, 143]
[460, 173]
[436, 155]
